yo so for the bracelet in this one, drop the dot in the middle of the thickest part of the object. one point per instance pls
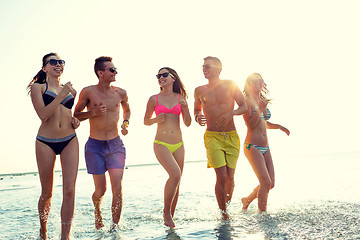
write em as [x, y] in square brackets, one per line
[126, 122]
[196, 118]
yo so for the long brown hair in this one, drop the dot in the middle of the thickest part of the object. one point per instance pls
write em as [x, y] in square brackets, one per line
[178, 86]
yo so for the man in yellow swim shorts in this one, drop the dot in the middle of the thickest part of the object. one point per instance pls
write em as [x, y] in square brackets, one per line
[214, 107]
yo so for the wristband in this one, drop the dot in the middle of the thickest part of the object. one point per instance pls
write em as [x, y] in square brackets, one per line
[126, 122]
[196, 118]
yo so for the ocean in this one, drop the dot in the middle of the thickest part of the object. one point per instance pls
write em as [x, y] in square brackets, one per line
[315, 197]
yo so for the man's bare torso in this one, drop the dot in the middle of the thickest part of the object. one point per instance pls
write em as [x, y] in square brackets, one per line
[217, 101]
[105, 126]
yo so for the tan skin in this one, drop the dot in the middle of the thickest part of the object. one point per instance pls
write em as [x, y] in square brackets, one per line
[217, 100]
[257, 134]
[56, 122]
[103, 103]
[168, 131]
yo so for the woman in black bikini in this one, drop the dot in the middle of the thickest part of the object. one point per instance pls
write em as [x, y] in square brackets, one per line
[52, 102]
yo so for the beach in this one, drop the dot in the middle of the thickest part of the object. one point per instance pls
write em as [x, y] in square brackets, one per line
[315, 197]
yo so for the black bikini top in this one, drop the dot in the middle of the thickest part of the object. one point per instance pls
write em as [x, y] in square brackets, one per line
[49, 96]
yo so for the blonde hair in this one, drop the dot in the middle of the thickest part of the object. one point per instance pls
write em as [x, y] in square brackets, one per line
[215, 60]
[248, 81]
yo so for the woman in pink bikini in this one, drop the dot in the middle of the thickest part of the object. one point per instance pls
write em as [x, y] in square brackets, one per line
[168, 144]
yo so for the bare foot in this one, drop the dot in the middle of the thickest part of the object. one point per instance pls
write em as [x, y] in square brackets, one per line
[168, 221]
[43, 234]
[245, 203]
[98, 220]
[225, 215]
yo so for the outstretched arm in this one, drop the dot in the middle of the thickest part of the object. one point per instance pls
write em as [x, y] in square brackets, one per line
[270, 125]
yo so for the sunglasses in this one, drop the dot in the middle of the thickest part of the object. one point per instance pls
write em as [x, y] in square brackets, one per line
[163, 75]
[54, 62]
[112, 69]
[206, 66]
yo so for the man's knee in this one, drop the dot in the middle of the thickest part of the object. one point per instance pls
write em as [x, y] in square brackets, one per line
[221, 176]
[100, 191]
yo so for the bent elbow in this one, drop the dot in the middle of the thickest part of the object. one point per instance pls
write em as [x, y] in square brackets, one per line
[43, 117]
[146, 122]
[77, 115]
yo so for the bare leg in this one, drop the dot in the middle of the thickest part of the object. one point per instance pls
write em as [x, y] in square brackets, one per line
[167, 160]
[116, 176]
[45, 158]
[100, 189]
[246, 201]
[230, 184]
[220, 189]
[179, 156]
[258, 164]
[69, 163]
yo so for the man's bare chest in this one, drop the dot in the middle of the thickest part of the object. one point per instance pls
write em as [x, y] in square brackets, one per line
[109, 100]
[216, 96]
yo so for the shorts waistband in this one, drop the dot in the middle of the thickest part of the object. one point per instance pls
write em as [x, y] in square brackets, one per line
[104, 141]
[225, 135]
[55, 140]
[234, 132]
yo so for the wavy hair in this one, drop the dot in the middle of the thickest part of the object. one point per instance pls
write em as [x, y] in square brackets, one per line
[178, 86]
[247, 87]
[41, 76]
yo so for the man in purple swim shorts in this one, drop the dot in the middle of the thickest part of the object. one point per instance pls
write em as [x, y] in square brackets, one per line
[103, 155]
[104, 151]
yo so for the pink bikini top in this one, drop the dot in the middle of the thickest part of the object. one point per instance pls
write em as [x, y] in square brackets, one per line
[162, 109]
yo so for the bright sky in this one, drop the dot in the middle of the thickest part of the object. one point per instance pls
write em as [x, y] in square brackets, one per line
[307, 52]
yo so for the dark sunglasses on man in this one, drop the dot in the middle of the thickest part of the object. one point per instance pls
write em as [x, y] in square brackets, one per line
[111, 69]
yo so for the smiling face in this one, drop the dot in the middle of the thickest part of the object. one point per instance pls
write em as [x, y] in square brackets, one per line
[108, 74]
[210, 69]
[53, 70]
[165, 81]
[257, 83]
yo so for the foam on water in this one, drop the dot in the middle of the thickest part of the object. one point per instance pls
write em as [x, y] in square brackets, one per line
[294, 211]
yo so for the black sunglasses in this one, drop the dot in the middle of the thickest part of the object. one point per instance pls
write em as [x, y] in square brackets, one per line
[163, 75]
[111, 69]
[54, 62]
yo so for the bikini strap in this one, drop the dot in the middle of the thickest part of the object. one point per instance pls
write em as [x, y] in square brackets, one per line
[46, 84]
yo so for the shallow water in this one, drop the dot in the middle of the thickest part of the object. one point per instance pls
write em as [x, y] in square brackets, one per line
[316, 197]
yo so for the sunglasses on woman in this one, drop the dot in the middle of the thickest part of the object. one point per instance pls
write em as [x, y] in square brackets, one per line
[112, 69]
[163, 75]
[54, 62]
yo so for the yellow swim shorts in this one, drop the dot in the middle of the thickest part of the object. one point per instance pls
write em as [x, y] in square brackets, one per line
[222, 148]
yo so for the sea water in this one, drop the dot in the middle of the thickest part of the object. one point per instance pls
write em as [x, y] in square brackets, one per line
[315, 197]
